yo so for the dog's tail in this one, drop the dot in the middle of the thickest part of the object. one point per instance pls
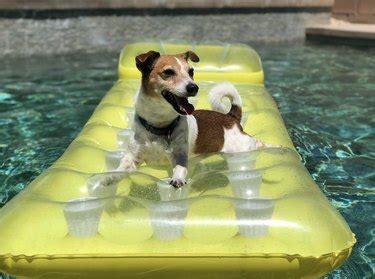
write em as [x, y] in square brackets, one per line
[226, 89]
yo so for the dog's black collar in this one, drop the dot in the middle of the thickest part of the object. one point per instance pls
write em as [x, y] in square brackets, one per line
[163, 131]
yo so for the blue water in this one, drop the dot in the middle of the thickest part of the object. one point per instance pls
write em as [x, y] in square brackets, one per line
[326, 95]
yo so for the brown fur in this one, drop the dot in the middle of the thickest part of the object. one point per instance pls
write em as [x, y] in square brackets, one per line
[211, 126]
[236, 112]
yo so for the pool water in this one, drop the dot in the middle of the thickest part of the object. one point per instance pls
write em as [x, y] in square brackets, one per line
[326, 95]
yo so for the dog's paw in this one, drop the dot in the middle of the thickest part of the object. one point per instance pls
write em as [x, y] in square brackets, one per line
[127, 164]
[177, 182]
[98, 185]
[179, 176]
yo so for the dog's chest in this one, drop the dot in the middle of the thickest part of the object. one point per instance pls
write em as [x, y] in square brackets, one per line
[155, 152]
[160, 149]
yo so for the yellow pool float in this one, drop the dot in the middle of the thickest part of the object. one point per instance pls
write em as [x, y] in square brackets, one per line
[250, 215]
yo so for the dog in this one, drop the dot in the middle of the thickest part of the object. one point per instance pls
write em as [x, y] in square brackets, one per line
[166, 126]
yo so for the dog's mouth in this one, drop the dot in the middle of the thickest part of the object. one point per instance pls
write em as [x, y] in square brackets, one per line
[180, 104]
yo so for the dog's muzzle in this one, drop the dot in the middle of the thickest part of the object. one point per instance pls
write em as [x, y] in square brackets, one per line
[192, 89]
[180, 104]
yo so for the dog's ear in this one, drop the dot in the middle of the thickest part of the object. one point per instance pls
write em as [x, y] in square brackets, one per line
[190, 55]
[146, 61]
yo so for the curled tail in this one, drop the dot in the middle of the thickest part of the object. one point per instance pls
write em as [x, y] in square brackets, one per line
[228, 90]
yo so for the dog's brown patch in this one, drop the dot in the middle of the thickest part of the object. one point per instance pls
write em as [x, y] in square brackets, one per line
[156, 78]
[211, 126]
[236, 112]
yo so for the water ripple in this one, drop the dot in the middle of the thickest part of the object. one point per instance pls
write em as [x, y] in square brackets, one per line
[325, 94]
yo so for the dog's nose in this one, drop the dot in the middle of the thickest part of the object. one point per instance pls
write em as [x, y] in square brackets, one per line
[192, 89]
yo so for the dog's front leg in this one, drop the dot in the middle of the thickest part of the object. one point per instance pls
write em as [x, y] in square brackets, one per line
[128, 163]
[179, 175]
[131, 158]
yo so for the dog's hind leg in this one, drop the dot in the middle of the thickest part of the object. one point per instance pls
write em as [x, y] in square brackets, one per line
[261, 144]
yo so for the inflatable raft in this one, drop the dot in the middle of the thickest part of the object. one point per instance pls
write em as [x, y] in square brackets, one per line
[250, 215]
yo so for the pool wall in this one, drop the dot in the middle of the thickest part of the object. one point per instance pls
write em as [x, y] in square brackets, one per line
[34, 36]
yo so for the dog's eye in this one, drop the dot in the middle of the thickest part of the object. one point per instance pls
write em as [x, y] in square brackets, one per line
[168, 72]
[191, 72]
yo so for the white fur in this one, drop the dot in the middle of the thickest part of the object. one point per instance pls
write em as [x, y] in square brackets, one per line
[157, 111]
[193, 131]
[225, 89]
[180, 64]
[236, 141]
[180, 88]
[127, 163]
[179, 174]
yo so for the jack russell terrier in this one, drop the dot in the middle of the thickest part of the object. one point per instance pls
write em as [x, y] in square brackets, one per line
[166, 126]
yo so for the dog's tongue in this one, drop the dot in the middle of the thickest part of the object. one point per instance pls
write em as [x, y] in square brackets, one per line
[185, 105]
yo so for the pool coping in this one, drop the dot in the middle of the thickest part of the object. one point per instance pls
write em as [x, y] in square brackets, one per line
[343, 29]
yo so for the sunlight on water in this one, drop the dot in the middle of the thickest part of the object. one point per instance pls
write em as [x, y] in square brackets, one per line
[325, 94]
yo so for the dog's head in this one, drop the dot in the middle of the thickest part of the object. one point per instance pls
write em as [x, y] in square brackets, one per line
[169, 77]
